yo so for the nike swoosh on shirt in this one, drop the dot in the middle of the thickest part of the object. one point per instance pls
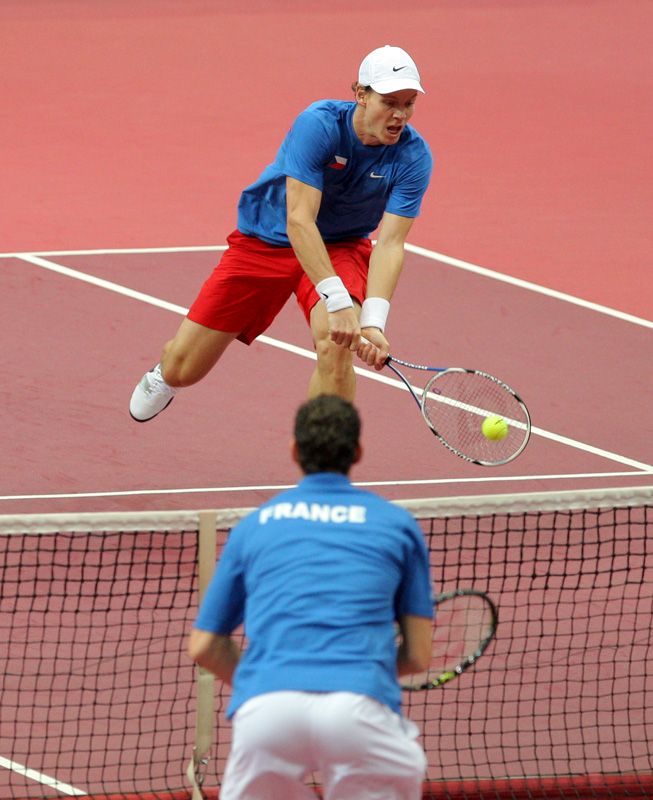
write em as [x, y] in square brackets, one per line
[396, 69]
[374, 175]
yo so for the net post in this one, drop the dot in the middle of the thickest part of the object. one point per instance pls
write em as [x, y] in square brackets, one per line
[206, 553]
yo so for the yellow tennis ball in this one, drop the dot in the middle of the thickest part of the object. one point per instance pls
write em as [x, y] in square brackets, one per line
[495, 428]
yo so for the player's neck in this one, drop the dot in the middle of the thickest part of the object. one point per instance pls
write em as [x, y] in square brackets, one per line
[360, 129]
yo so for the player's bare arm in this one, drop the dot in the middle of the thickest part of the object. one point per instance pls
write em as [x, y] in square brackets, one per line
[303, 204]
[386, 263]
[216, 653]
[414, 652]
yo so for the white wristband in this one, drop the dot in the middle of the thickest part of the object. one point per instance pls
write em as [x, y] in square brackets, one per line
[374, 313]
[332, 291]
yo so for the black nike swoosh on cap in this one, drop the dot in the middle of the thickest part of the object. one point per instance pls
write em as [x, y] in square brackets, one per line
[396, 69]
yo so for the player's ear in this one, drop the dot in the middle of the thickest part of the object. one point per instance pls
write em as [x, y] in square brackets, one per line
[360, 94]
[358, 454]
[294, 451]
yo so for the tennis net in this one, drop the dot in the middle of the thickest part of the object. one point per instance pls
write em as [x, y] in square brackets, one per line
[99, 697]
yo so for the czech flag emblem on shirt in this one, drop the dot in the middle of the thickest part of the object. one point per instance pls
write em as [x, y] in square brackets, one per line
[339, 163]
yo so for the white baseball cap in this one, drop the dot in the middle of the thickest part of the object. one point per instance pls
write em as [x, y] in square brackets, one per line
[389, 69]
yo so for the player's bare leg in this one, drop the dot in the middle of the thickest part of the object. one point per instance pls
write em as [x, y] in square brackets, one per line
[186, 359]
[193, 353]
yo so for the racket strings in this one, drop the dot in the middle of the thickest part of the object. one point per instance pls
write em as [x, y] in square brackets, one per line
[456, 402]
[461, 625]
[464, 624]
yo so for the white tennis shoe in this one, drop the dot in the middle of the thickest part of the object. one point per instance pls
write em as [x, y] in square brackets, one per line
[151, 396]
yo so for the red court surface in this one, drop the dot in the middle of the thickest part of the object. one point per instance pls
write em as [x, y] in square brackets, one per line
[134, 125]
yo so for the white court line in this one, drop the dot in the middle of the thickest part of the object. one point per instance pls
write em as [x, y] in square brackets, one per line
[118, 251]
[282, 487]
[46, 780]
[411, 248]
[532, 287]
[365, 373]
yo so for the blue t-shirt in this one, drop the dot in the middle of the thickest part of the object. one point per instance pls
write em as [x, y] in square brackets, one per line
[358, 182]
[319, 575]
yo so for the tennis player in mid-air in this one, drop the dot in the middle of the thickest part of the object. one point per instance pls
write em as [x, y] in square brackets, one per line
[321, 575]
[343, 169]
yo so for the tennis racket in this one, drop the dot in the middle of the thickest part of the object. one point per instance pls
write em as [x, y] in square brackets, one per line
[465, 624]
[455, 403]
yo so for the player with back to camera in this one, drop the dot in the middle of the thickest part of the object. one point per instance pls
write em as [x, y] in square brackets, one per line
[321, 575]
[343, 169]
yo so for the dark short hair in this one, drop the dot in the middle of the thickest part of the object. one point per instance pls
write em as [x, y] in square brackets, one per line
[327, 432]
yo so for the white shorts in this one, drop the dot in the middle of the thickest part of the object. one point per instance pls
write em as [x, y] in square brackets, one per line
[361, 749]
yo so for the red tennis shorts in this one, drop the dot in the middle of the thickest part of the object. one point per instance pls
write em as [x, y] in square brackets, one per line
[253, 281]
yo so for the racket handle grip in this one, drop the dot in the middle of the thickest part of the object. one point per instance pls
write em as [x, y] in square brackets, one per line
[367, 341]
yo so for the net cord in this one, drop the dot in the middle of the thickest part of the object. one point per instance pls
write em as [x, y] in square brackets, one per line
[421, 508]
[529, 502]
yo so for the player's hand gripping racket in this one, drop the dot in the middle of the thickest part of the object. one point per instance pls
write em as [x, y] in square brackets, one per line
[473, 414]
[465, 624]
